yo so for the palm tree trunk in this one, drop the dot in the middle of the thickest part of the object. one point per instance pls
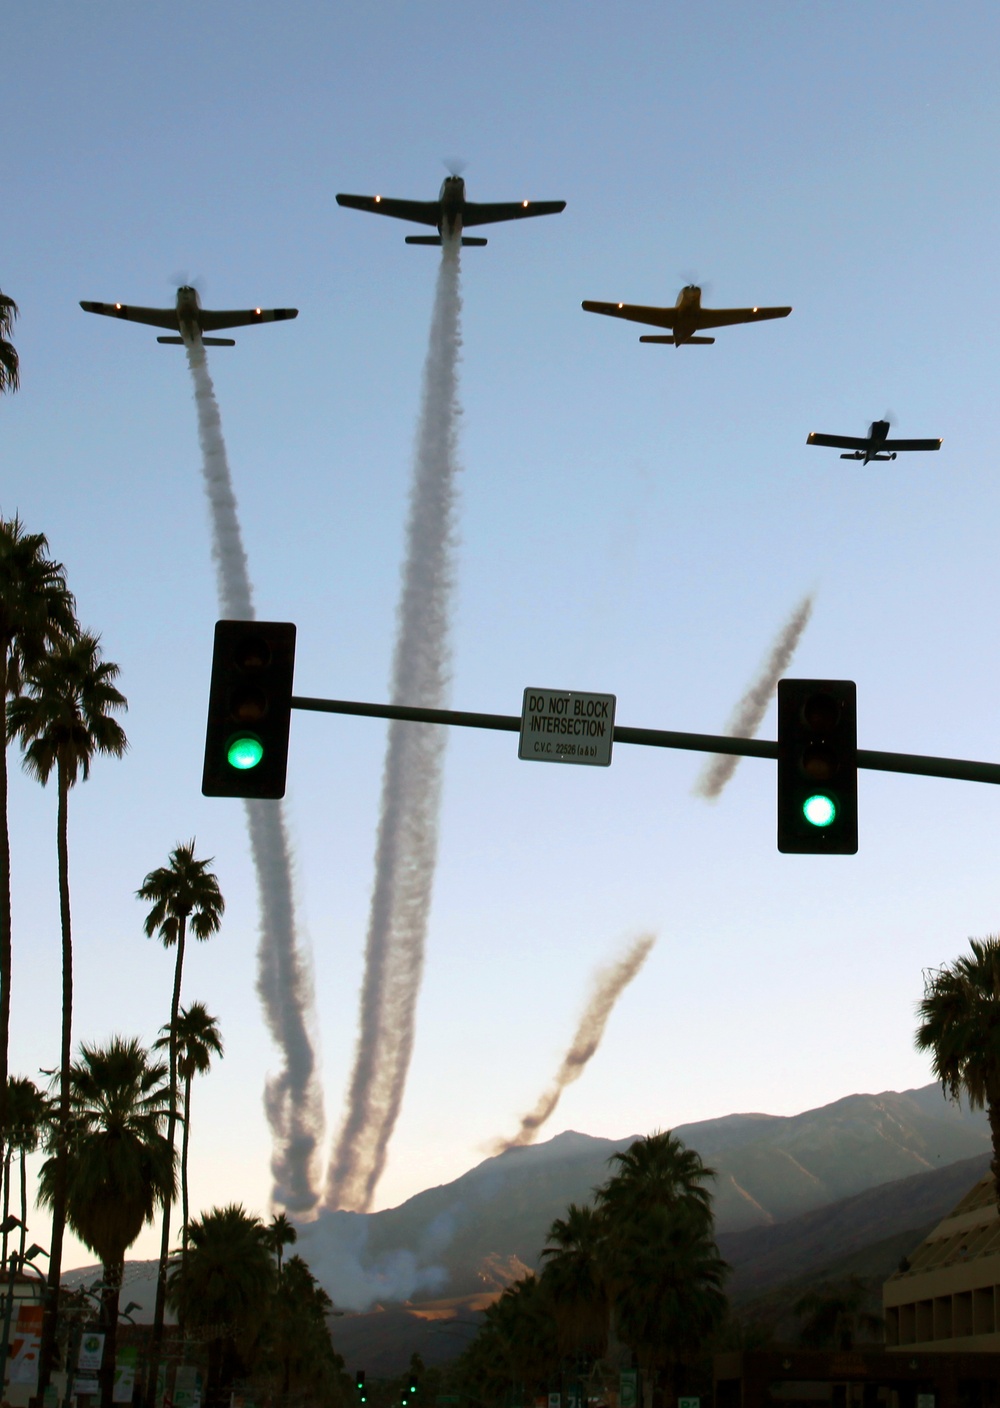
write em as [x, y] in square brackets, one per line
[6, 1196]
[111, 1275]
[49, 1316]
[5, 945]
[156, 1338]
[184, 1164]
[24, 1201]
[993, 1115]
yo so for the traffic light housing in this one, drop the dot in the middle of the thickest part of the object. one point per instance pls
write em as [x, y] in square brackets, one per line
[249, 709]
[817, 767]
[359, 1384]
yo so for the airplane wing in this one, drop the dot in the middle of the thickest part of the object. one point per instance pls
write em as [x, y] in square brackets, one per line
[724, 317]
[840, 442]
[422, 212]
[912, 445]
[477, 214]
[155, 317]
[634, 312]
[242, 317]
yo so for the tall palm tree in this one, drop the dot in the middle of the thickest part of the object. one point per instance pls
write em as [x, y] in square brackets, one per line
[9, 364]
[223, 1288]
[281, 1234]
[960, 1025]
[198, 1040]
[659, 1171]
[36, 611]
[29, 1118]
[120, 1164]
[183, 892]
[63, 718]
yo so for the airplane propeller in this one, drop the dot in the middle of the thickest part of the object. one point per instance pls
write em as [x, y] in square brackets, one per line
[454, 165]
[184, 280]
[689, 277]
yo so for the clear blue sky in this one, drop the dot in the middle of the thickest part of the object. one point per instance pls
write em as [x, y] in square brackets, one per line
[634, 519]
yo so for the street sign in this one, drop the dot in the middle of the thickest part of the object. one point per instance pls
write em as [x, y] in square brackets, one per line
[628, 1388]
[689, 1403]
[562, 726]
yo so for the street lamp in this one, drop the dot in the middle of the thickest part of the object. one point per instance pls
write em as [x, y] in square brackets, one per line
[16, 1263]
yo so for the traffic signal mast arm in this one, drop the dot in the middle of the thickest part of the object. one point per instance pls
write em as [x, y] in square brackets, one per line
[959, 769]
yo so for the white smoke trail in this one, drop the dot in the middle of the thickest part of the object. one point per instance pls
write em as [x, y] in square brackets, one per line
[293, 1099]
[608, 985]
[749, 713]
[406, 848]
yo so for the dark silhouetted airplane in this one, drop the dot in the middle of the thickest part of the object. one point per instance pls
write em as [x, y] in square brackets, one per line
[687, 317]
[451, 213]
[190, 319]
[877, 446]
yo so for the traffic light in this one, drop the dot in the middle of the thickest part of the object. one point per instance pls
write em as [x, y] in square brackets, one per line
[818, 767]
[249, 709]
[359, 1384]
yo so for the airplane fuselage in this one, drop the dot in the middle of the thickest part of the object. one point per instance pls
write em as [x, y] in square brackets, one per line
[452, 201]
[878, 433]
[688, 307]
[188, 306]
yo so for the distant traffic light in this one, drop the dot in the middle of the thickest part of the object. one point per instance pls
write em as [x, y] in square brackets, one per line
[249, 709]
[359, 1384]
[414, 1384]
[817, 767]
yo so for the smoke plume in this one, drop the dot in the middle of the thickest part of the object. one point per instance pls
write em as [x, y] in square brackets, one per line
[749, 713]
[406, 846]
[293, 1099]
[609, 984]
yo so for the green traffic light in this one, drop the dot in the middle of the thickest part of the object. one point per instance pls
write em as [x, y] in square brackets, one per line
[819, 810]
[244, 752]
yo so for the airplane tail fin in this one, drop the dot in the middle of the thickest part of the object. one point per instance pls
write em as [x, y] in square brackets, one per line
[206, 341]
[704, 341]
[436, 239]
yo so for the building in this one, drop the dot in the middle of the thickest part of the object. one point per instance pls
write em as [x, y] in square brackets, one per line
[946, 1295]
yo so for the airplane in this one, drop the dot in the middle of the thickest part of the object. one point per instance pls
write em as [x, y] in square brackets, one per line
[190, 319]
[451, 212]
[877, 446]
[687, 317]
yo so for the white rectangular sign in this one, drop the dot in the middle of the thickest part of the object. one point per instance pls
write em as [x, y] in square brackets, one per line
[562, 726]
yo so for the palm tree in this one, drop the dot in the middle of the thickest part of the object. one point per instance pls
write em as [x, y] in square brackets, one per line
[9, 364]
[281, 1234]
[835, 1317]
[575, 1282]
[223, 1288]
[198, 1040]
[662, 1267]
[120, 1165]
[960, 1024]
[668, 1288]
[36, 611]
[182, 892]
[657, 1171]
[29, 1115]
[63, 718]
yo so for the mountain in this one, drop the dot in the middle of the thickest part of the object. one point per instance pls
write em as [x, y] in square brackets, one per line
[462, 1237]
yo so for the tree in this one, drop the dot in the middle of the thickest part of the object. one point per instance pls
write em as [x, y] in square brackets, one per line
[198, 1040]
[120, 1165]
[183, 892]
[299, 1343]
[223, 1288]
[663, 1270]
[960, 1026]
[281, 1234]
[63, 717]
[36, 611]
[668, 1288]
[835, 1317]
[29, 1116]
[574, 1280]
[10, 377]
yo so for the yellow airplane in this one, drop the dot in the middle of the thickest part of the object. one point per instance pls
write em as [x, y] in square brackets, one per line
[451, 213]
[686, 318]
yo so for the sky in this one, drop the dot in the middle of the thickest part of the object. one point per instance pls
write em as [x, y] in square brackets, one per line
[635, 520]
